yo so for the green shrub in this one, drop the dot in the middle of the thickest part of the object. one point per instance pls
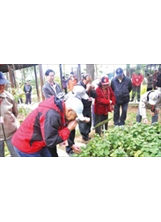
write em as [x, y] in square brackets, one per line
[138, 140]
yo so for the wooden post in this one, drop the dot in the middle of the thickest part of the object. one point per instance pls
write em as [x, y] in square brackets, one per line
[14, 78]
[37, 88]
[41, 80]
[11, 76]
[79, 72]
[61, 75]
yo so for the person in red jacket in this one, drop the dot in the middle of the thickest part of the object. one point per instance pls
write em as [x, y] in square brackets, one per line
[137, 79]
[104, 102]
[49, 124]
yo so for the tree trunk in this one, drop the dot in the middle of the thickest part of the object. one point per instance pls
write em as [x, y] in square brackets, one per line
[96, 71]
[36, 81]
[90, 69]
[41, 80]
[128, 73]
[61, 75]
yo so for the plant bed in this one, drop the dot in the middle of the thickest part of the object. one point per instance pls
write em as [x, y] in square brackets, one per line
[138, 140]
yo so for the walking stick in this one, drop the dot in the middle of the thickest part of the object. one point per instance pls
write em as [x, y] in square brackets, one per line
[1, 121]
[103, 124]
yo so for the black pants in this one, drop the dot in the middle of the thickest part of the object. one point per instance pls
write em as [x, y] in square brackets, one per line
[28, 98]
[98, 119]
[65, 90]
[20, 100]
[119, 120]
[53, 151]
[71, 138]
[85, 128]
[136, 92]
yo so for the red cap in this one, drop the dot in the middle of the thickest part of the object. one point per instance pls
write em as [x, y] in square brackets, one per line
[105, 81]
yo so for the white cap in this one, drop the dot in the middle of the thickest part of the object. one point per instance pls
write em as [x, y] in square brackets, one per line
[153, 97]
[76, 105]
[80, 92]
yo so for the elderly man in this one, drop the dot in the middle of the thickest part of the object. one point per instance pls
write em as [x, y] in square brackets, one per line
[8, 117]
[150, 100]
[122, 86]
[46, 126]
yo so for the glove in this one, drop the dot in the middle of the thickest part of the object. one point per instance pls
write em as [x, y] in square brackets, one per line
[145, 120]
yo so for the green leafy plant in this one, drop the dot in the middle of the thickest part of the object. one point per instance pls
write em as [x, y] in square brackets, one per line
[138, 140]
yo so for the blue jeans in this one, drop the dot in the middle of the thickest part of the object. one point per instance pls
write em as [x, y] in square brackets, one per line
[154, 118]
[119, 119]
[42, 153]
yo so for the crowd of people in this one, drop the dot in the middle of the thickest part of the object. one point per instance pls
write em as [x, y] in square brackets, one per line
[79, 103]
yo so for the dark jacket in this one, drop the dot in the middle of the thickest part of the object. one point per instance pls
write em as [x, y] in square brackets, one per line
[49, 91]
[150, 81]
[45, 126]
[27, 88]
[86, 103]
[158, 84]
[122, 89]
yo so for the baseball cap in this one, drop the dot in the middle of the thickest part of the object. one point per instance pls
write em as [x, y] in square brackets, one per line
[105, 81]
[3, 80]
[153, 98]
[119, 72]
[80, 92]
[76, 105]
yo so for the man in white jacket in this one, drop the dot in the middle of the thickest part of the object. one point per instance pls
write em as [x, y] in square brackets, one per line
[149, 100]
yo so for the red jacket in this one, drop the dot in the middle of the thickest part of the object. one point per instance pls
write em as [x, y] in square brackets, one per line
[137, 79]
[102, 102]
[45, 126]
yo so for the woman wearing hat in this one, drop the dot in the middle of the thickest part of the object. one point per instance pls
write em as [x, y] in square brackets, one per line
[104, 102]
[8, 114]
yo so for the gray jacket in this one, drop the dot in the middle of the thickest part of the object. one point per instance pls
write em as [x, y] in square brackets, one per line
[49, 90]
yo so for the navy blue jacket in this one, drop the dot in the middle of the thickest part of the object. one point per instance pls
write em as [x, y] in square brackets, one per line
[158, 84]
[122, 89]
